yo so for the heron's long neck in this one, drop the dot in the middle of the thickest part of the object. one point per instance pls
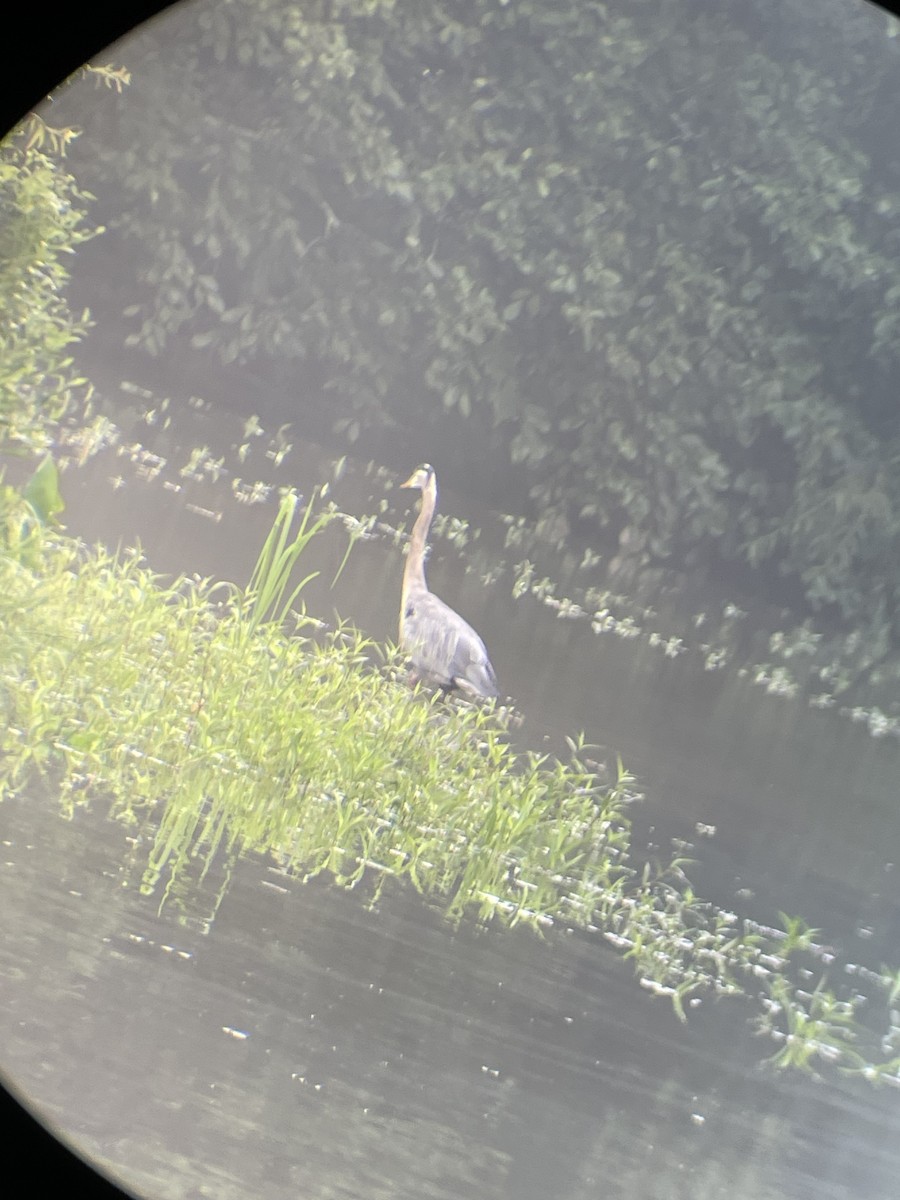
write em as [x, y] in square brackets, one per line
[414, 571]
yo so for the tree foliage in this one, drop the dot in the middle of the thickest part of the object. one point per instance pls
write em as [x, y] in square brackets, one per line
[647, 250]
[42, 219]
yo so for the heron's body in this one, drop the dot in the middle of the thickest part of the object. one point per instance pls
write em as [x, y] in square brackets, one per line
[442, 647]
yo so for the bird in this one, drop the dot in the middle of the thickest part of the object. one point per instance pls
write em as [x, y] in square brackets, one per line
[443, 648]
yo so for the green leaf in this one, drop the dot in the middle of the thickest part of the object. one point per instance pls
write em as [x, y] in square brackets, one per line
[42, 491]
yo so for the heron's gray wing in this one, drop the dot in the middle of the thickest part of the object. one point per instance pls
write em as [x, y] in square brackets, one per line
[445, 647]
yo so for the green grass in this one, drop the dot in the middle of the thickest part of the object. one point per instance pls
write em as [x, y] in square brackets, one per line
[188, 699]
[224, 722]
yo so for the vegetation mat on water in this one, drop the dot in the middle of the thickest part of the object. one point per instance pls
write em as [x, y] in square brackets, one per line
[191, 703]
[176, 695]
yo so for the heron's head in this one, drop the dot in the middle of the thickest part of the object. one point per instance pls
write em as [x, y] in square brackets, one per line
[420, 478]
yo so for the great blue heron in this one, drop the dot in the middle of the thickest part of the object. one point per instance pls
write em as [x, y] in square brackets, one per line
[443, 648]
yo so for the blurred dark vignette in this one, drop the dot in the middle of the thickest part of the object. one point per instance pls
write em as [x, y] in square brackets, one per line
[42, 1163]
[54, 40]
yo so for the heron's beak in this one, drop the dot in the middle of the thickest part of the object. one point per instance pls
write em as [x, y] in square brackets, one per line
[413, 480]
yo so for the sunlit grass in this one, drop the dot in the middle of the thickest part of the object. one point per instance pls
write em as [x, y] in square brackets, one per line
[225, 722]
[188, 698]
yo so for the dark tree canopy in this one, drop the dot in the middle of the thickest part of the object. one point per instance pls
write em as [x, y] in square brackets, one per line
[647, 250]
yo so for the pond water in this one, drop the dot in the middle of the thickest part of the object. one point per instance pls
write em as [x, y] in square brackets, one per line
[307, 1046]
[300, 1043]
[255, 1036]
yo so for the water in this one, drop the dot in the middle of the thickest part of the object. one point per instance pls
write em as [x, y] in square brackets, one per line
[301, 1044]
[307, 1046]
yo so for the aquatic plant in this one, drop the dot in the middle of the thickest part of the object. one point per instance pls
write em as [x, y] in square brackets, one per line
[219, 721]
[188, 698]
[24, 512]
[264, 597]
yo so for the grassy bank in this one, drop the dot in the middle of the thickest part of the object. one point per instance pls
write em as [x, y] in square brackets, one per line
[223, 720]
[184, 697]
